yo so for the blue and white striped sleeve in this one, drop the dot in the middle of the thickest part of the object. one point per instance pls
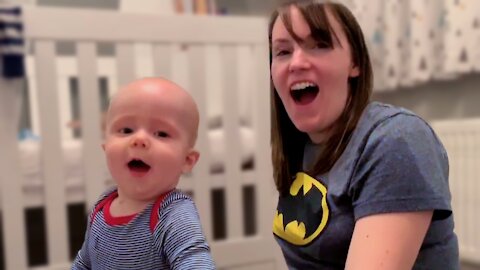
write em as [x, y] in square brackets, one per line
[82, 260]
[180, 237]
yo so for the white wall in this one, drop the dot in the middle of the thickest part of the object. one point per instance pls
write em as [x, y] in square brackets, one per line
[459, 98]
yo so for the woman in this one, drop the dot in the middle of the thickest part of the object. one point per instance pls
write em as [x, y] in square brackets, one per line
[362, 185]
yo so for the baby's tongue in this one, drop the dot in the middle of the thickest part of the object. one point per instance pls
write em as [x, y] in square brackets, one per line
[140, 168]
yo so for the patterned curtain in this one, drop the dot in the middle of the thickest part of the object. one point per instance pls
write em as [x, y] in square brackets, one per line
[413, 41]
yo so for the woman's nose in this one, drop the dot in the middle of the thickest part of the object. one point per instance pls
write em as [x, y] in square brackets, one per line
[140, 140]
[299, 61]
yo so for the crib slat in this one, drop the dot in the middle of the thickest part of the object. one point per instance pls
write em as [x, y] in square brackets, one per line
[143, 53]
[201, 173]
[261, 123]
[179, 64]
[51, 154]
[93, 161]
[33, 93]
[231, 122]
[266, 194]
[125, 63]
[162, 60]
[11, 178]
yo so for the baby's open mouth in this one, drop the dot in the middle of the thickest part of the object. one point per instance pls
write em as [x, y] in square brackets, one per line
[138, 165]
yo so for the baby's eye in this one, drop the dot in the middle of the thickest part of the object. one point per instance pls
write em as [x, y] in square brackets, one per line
[161, 134]
[125, 130]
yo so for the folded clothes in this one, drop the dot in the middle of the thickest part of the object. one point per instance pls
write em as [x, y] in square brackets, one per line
[11, 43]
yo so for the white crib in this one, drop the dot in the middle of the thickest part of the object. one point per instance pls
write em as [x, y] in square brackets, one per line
[217, 59]
[461, 138]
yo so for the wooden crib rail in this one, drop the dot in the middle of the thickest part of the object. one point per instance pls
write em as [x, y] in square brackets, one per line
[109, 26]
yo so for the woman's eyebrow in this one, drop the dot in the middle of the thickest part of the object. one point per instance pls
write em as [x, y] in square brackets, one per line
[281, 41]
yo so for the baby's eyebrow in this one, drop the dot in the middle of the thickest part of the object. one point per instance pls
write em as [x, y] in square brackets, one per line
[164, 124]
[120, 119]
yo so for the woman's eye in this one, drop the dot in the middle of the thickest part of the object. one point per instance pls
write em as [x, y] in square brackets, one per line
[161, 134]
[323, 45]
[282, 52]
[320, 45]
[125, 130]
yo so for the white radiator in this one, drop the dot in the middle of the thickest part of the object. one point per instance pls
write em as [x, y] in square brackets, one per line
[461, 139]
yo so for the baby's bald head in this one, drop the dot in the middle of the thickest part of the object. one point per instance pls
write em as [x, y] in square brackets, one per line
[157, 96]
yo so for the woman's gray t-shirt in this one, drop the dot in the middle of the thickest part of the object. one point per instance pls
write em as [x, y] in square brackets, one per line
[393, 163]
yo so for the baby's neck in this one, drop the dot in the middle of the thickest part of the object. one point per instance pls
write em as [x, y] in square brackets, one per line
[125, 207]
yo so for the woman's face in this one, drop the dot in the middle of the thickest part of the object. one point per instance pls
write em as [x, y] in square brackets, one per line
[310, 78]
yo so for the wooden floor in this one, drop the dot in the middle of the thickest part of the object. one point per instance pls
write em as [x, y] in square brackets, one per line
[468, 266]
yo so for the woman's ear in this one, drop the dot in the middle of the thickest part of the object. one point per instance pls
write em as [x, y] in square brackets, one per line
[190, 160]
[354, 71]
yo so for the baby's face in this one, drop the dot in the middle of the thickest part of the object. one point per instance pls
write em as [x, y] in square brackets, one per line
[148, 142]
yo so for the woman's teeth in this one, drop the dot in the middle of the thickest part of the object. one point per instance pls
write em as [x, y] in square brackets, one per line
[302, 86]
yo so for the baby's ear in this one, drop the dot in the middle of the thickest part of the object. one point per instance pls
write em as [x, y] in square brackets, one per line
[190, 160]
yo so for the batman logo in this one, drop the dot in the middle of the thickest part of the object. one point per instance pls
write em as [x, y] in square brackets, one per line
[303, 214]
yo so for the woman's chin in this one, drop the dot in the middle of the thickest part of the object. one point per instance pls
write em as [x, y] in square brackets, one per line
[316, 134]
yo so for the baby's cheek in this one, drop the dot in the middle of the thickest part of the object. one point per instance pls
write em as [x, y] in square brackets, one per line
[113, 155]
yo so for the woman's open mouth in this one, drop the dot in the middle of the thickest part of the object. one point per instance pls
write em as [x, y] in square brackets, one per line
[304, 93]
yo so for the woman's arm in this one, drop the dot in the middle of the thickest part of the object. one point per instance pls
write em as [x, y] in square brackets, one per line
[399, 186]
[388, 241]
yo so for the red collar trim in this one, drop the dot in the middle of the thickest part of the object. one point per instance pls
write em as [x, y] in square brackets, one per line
[111, 220]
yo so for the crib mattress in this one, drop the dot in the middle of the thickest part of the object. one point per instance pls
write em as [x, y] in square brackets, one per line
[30, 157]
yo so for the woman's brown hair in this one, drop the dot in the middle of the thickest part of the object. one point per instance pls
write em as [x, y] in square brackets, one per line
[288, 142]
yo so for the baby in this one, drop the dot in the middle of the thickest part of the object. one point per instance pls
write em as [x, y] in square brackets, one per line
[145, 222]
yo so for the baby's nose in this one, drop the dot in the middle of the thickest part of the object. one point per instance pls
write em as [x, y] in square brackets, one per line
[140, 140]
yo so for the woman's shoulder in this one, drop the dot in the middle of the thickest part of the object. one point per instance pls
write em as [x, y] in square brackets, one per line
[377, 112]
[389, 119]
[390, 127]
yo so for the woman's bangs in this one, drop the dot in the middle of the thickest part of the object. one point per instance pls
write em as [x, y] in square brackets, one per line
[316, 17]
